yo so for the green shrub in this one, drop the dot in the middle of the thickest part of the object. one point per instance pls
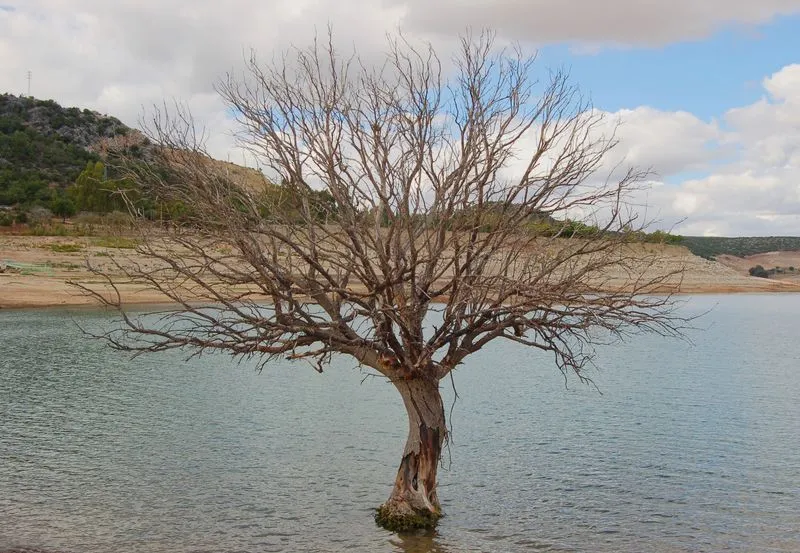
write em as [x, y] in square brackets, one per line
[66, 248]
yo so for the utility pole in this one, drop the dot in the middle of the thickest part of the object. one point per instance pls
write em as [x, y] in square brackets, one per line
[30, 74]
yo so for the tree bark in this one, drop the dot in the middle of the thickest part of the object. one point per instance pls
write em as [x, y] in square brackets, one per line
[414, 502]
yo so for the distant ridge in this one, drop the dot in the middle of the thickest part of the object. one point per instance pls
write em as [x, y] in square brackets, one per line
[710, 247]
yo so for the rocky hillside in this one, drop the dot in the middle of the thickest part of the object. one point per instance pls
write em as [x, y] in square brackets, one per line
[83, 128]
[44, 146]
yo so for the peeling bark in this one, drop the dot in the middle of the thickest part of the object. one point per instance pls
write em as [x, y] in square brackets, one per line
[414, 502]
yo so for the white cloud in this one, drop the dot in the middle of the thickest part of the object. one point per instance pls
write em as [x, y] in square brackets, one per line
[666, 142]
[758, 192]
[745, 168]
[770, 128]
[617, 22]
[119, 57]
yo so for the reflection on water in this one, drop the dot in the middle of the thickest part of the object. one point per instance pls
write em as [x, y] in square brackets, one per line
[690, 448]
[418, 542]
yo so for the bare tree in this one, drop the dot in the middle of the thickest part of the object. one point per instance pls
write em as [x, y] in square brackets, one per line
[417, 215]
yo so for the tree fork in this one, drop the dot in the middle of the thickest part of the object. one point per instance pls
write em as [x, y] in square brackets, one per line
[407, 158]
[414, 502]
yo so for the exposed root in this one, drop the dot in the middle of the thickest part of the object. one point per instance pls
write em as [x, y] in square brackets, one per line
[397, 516]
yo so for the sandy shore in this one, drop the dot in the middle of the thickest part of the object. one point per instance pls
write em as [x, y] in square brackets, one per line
[38, 270]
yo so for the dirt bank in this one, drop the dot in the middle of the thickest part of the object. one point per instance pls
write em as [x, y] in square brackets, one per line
[36, 271]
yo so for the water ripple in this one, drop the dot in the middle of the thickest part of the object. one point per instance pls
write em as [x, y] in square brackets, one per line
[688, 449]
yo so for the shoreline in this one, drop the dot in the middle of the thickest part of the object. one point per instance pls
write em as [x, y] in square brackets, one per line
[51, 263]
[58, 294]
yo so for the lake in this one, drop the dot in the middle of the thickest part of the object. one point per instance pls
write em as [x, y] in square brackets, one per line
[690, 447]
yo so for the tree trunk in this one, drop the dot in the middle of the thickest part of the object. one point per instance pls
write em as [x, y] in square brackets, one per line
[414, 502]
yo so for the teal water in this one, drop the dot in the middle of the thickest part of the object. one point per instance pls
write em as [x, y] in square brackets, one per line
[690, 447]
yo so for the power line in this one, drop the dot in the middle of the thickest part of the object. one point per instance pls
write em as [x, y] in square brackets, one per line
[30, 74]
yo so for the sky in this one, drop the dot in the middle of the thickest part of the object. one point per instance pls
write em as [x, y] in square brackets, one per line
[707, 93]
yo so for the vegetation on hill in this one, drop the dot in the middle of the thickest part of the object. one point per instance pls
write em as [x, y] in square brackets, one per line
[52, 157]
[44, 147]
[760, 271]
[710, 247]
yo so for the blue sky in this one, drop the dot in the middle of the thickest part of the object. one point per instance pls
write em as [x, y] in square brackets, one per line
[707, 93]
[706, 77]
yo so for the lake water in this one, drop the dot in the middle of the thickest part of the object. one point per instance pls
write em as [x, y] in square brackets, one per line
[690, 447]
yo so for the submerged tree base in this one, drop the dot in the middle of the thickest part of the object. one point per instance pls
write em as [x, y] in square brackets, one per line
[402, 518]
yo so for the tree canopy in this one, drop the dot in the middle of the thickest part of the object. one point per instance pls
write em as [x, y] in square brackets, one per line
[414, 236]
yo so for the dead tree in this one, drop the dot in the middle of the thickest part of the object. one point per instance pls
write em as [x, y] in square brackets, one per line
[413, 214]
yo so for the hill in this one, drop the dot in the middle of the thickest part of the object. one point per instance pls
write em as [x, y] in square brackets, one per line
[710, 247]
[44, 147]
[55, 157]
